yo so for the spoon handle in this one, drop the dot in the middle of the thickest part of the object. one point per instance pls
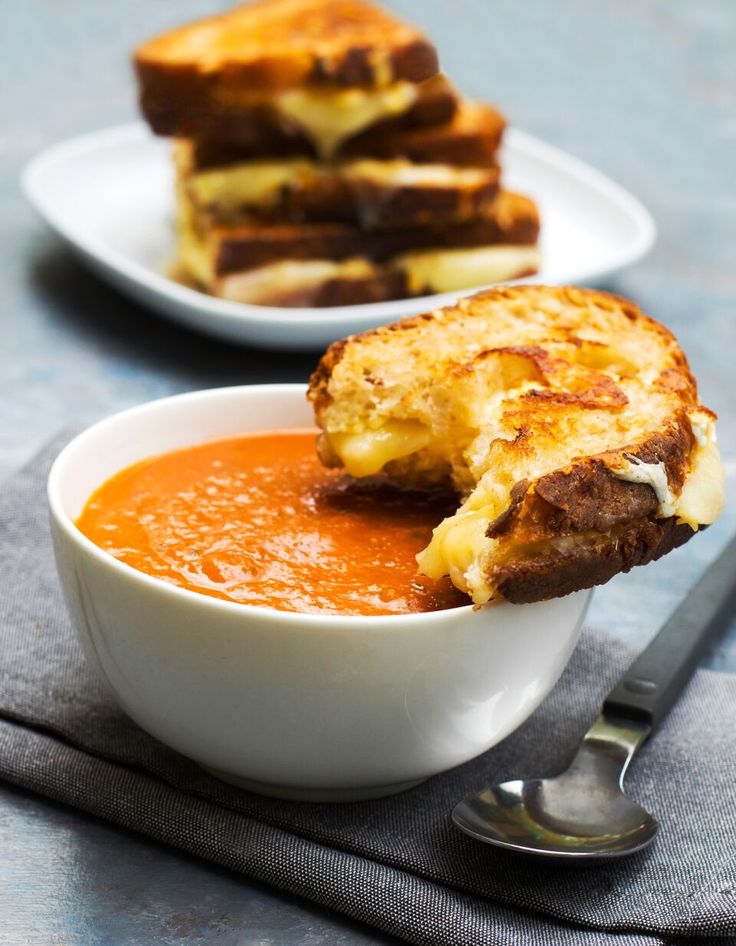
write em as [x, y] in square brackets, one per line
[653, 682]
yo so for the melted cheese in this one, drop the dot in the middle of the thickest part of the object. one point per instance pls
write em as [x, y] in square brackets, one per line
[266, 285]
[330, 116]
[255, 183]
[459, 545]
[383, 71]
[452, 270]
[635, 470]
[433, 270]
[250, 183]
[702, 497]
[457, 548]
[460, 548]
[403, 173]
[700, 501]
[367, 452]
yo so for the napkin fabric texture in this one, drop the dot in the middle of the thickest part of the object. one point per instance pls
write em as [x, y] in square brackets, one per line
[395, 863]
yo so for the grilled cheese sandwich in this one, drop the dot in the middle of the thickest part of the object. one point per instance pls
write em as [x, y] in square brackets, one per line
[248, 264]
[374, 192]
[331, 67]
[323, 159]
[330, 116]
[567, 420]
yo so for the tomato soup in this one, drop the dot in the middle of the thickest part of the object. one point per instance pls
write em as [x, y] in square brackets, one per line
[258, 520]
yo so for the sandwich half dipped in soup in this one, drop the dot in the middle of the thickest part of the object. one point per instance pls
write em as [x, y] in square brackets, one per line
[567, 420]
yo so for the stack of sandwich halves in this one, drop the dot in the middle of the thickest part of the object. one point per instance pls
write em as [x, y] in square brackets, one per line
[322, 159]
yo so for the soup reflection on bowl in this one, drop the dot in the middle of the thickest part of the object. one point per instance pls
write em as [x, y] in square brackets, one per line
[262, 615]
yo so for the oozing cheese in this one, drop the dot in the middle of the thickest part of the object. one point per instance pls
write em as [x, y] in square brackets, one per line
[702, 497]
[456, 549]
[635, 470]
[402, 173]
[255, 183]
[700, 501]
[452, 270]
[460, 548]
[367, 452]
[459, 544]
[250, 183]
[267, 284]
[331, 116]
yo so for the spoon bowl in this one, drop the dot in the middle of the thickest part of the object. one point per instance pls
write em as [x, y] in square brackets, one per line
[582, 813]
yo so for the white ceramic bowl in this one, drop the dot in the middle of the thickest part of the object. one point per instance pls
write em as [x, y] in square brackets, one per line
[296, 705]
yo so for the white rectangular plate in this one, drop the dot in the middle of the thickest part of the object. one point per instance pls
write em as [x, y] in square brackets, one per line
[109, 194]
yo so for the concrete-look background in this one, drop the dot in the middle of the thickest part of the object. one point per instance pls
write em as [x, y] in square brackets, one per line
[643, 89]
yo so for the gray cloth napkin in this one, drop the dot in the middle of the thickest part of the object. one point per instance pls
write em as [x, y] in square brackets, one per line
[395, 863]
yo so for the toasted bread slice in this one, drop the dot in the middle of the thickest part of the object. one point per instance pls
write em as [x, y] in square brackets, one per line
[471, 138]
[331, 66]
[567, 419]
[271, 45]
[511, 220]
[373, 194]
[334, 264]
[288, 264]
[294, 283]
[325, 282]
[255, 127]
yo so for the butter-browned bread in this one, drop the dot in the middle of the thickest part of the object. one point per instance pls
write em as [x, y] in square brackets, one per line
[286, 264]
[567, 419]
[420, 175]
[512, 219]
[306, 59]
[312, 283]
[471, 138]
[243, 129]
[371, 193]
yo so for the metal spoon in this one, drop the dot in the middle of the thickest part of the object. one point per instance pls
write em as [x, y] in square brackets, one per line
[583, 813]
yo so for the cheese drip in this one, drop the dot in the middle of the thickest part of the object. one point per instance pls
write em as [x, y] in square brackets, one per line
[330, 116]
[460, 548]
[466, 268]
[366, 452]
[700, 501]
[268, 285]
[256, 183]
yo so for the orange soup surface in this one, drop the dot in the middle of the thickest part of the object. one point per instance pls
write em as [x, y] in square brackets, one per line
[258, 520]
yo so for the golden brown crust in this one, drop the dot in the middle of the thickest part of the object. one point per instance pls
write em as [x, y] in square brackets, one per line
[386, 284]
[570, 423]
[378, 207]
[230, 131]
[560, 573]
[271, 45]
[319, 381]
[337, 196]
[678, 378]
[470, 139]
[512, 219]
[587, 496]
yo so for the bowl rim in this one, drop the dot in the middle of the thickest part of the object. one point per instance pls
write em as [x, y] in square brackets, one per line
[194, 599]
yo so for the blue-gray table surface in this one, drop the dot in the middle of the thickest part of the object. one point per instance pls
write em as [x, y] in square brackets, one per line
[643, 89]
